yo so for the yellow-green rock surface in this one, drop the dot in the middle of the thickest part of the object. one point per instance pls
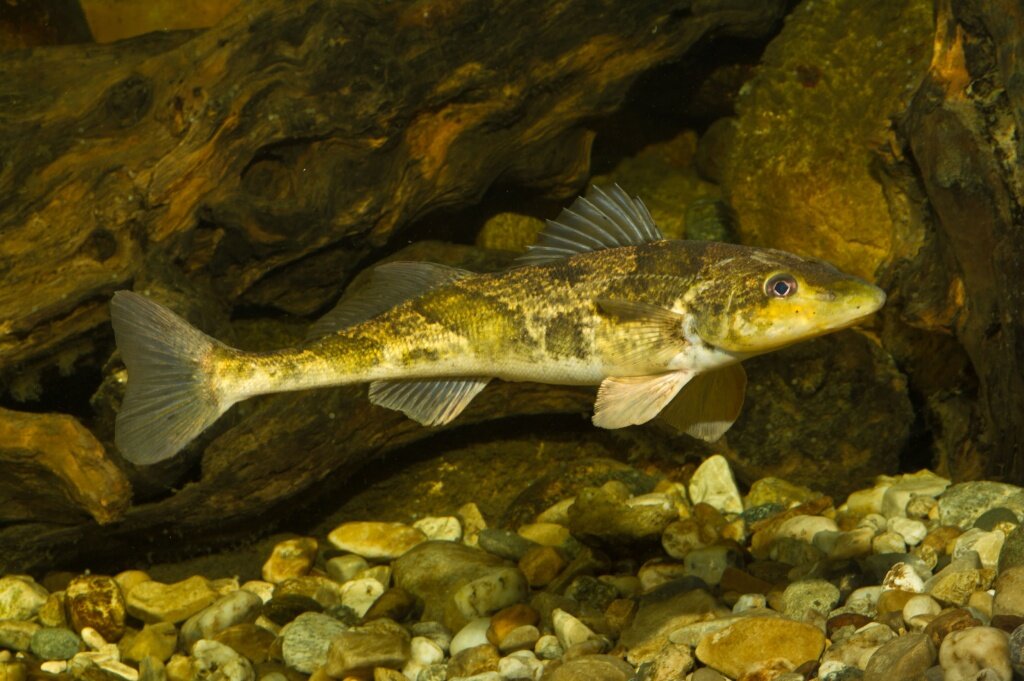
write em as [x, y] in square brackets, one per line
[812, 123]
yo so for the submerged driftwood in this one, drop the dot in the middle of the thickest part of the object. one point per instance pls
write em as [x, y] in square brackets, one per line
[292, 135]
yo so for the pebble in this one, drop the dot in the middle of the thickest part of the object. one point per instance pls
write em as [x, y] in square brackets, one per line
[521, 638]
[290, 558]
[856, 649]
[16, 634]
[157, 640]
[440, 528]
[504, 544]
[681, 537]
[473, 661]
[599, 516]
[911, 531]
[987, 544]
[664, 610]
[425, 651]
[20, 597]
[713, 484]
[569, 629]
[235, 608]
[472, 635]
[360, 594]
[548, 647]
[749, 642]
[343, 568]
[710, 563]
[152, 601]
[473, 523]
[920, 606]
[900, 658]
[508, 619]
[520, 666]
[1016, 644]
[49, 643]
[962, 504]
[306, 639]
[95, 601]
[902, 577]
[816, 595]
[540, 565]
[921, 484]
[283, 609]
[375, 540]
[212, 660]
[803, 528]
[965, 653]
[591, 668]
[354, 652]
[1009, 596]
[544, 534]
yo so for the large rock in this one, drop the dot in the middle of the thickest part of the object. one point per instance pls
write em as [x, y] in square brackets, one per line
[757, 642]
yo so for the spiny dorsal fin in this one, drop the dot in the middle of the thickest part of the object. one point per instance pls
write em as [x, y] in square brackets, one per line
[604, 218]
[709, 404]
[390, 284]
[632, 400]
[431, 402]
[655, 334]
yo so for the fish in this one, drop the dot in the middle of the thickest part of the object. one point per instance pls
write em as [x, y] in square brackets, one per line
[660, 326]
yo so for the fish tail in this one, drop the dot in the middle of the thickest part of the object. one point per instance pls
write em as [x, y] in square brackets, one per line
[172, 395]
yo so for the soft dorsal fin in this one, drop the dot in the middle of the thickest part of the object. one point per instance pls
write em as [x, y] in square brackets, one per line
[431, 402]
[709, 404]
[604, 218]
[389, 285]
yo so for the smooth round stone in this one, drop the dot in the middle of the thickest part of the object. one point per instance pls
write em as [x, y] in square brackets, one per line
[965, 653]
[521, 638]
[395, 604]
[473, 661]
[425, 651]
[852, 544]
[601, 516]
[901, 658]
[1016, 644]
[470, 636]
[20, 597]
[440, 528]
[888, 542]
[681, 537]
[290, 558]
[504, 544]
[507, 619]
[804, 527]
[874, 521]
[252, 642]
[305, 641]
[590, 668]
[458, 583]
[663, 610]
[95, 601]
[902, 577]
[355, 652]
[817, 595]
[921, 605]
[1009, 598]
[210, 658]
[548, 647]
[848, 621]
[435, 631]
[16, 635]
[713, 484]
[53, 613]
[962, 504]
[152, 601]
[906, 487]
[986, 544]
[343, 568]
[948, 621]
[375, 540]
[1012, 554]
[750, 642]
[520, 666]
[157, 640]
[706, 674]
[778, 491]
[867, 501]
[540, 564]
[997, 518]
[912, 531]
[360, 594]
[235, 608]
[51, 643]
[569, 629]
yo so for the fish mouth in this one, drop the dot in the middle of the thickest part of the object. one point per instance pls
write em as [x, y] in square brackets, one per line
[861, 306]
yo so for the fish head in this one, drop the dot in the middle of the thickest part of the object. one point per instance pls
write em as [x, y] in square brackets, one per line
[757, 300]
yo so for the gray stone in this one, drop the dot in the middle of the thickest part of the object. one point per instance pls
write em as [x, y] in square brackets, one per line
[901, 658]
[20, 597]
[962, 504]
[967, 652]
[54, 643]
[818, 595]
[235, 608]
[305, 641]
[504, 544]
[212, 660]
[458, 583]
[991, 519]
[710, 562]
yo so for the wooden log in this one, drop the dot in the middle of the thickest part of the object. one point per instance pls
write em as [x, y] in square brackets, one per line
[291, 132]
[965, 130]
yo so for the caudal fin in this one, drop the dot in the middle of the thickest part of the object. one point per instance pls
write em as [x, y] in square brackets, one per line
[170, 397]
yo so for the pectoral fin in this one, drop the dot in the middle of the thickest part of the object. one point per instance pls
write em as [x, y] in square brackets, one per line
[632, 400]
[709, 404]
[654, 333]
[430, 402]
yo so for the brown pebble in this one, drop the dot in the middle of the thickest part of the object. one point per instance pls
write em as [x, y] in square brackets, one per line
[893, 601]
[290, 558]
[734, 579]
[475, 660]
[248, 640]
[949, 621]
[395, 604]
[541, 564]
[619, 614]
[96, 601]
[942, 538]
[385, 674]
[1007, 622]
[847, 619]
[507, 619]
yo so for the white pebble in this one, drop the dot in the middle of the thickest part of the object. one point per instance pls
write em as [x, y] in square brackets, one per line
[426, 652]
[472, 635]
[344, 568]
[360, 594]
[853, 544]
[520, 666]
[265, 590]
[54, 666]
[548, 647]
[967, 652]
[557, 513]
[804, 527]
[750, 602]
[654, 499]
[440, 528]
[876, 521]
[92, 638]
[902, 577]
[568, 629]
[888, 542]
[713, 484]
[922, 483]
[921, 605]
[498, 588]
[912, 531]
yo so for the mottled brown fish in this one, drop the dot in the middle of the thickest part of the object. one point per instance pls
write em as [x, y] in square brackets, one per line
[602, 299]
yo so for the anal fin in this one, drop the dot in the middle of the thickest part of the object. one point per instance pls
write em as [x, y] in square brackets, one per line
[709, 404]
[431, 402]
[632, 400]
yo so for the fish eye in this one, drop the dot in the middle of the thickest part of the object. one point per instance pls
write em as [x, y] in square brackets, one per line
[780, 286]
